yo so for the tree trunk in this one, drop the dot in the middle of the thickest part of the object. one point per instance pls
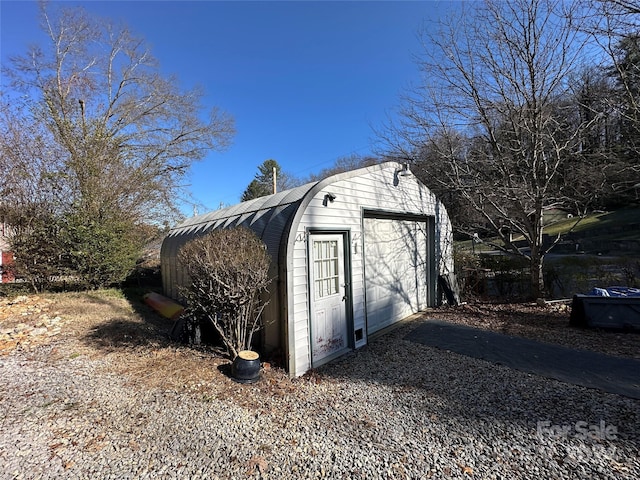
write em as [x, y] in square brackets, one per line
[537, 279]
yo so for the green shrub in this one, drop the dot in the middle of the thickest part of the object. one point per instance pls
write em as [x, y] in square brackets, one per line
[102, 252]
[39, 250]
[468, 274]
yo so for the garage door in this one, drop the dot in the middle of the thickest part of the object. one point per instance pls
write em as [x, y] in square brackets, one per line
[396, 270]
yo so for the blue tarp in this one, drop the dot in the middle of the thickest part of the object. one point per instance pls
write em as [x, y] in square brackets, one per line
[615, 292]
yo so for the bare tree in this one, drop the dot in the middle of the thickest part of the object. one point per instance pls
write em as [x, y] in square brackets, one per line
[344, 164]
[127, 134]
[486, 121]
[31, 193]
[115, 137]
[615, 27]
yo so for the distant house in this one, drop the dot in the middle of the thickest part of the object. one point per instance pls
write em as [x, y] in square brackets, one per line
[6, 256]
[351, 254]
[555, 214]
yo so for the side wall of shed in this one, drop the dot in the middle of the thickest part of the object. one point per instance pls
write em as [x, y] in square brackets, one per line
[268, 223]
[379, 188]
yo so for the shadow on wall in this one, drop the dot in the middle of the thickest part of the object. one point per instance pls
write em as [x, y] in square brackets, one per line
[395, 272]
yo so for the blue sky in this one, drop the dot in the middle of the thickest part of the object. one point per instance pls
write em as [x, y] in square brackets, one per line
[305, 81]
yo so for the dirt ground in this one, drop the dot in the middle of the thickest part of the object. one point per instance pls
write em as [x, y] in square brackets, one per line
[133, 340]
[129, 338]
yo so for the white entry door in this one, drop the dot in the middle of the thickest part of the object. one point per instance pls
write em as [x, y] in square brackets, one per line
[329, 330]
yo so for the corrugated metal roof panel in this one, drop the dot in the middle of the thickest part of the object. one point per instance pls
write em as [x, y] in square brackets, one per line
[263, 203]
[266, 216]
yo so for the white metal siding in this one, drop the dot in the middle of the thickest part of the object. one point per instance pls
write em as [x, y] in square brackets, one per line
[396, 270]
[377, 189]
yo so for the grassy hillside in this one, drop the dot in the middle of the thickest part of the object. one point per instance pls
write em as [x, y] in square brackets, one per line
[616, 225]
[615, 232]
[601, 249]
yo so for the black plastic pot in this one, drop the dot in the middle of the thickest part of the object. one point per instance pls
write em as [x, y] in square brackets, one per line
[246, 367]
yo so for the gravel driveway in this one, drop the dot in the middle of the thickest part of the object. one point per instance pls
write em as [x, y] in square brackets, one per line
[394, 409]
[569, 365]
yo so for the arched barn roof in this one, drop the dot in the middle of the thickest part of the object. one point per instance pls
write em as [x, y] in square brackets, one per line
[268, 217]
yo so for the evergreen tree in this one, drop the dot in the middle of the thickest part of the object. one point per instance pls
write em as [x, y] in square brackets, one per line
[262, 184]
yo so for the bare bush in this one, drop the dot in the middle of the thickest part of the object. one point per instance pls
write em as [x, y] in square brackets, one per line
[229, 274]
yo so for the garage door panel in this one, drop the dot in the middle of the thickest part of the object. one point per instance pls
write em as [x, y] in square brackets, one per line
[396, 268]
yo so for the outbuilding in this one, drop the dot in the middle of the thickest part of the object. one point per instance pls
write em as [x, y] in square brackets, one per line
[351, 254]
[6, 256]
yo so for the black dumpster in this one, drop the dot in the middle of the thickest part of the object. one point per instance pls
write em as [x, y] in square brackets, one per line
[615, 313]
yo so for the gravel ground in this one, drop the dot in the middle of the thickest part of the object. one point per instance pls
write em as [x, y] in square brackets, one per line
[394, 409]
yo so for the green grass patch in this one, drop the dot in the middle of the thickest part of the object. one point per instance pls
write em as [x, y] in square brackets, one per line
[596, 221]
[618, 225]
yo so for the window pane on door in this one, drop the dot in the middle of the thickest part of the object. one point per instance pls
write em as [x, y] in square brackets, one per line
[325, 267]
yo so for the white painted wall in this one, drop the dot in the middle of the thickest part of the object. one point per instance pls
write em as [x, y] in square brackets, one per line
[379, 188]
[282, 220]
[397, 270]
